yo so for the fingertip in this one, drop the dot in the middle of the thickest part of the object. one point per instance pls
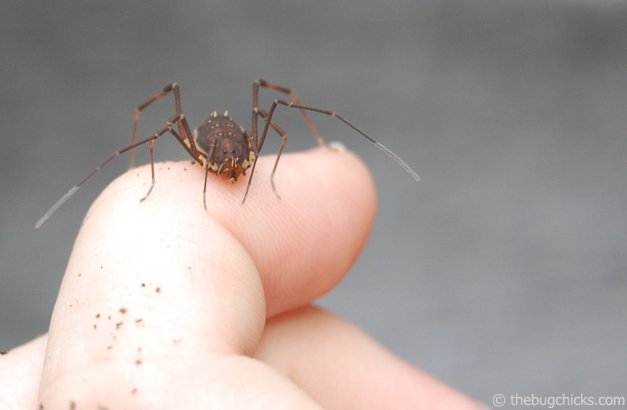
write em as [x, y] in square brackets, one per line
[307, 241]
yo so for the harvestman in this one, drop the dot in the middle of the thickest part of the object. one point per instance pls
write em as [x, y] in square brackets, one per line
[219, 144]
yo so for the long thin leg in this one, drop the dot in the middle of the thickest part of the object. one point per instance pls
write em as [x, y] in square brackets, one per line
[293, 96]
[184, 136]
[281, 148]
[151, 140]
[204, 188]
[282, 134]
[151, 146]
[386, 150]
[170, 88]
[258, 143]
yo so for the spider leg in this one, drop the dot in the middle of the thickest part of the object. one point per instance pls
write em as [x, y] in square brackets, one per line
[294, 97]
[296, 103]
[168, 127]
[204, 189]
[386, 150]
[268, 123]
[170, 88]
[184, 134]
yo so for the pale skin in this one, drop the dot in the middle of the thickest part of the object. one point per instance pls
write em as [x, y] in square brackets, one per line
[165, 305]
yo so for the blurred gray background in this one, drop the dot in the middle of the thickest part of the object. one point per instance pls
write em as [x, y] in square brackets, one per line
[504, 271]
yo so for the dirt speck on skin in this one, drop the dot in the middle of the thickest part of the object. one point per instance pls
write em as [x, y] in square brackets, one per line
[138, 362]
[123, 310]
[2, 352]
[72, 405]
[97, 315]
[119, 325]
[158, 289]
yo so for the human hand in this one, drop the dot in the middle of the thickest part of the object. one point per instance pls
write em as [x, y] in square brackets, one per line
[166, 305]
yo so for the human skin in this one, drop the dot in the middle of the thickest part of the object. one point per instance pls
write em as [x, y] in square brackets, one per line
[166, 305]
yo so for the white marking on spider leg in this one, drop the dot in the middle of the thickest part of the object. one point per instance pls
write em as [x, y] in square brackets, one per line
[56, 206]
[398, 160]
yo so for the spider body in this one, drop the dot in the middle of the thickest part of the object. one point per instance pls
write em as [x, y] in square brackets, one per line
[224, 146]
